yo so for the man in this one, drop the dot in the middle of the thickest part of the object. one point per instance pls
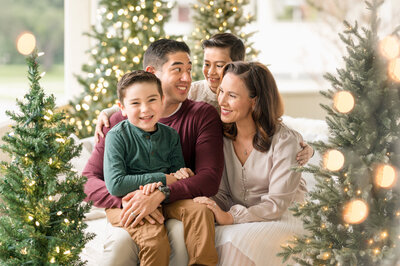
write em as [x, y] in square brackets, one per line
[200, 131]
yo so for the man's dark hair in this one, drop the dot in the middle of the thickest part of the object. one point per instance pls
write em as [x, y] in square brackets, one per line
[157, 53]
[236, 47]
[137, 76]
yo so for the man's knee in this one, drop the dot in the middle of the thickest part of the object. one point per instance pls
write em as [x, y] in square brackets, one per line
[198, 209]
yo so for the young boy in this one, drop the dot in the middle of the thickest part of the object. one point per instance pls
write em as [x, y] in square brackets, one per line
[139, 153]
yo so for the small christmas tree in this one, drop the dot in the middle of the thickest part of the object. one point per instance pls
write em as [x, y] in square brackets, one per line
[352, 217]
[216, 16]
[126, 30]
[41, 215]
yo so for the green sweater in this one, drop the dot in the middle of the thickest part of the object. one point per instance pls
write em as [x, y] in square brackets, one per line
[134, 157]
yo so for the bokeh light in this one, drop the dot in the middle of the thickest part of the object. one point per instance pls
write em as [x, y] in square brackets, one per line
[390, 47]
[343, 101]
[385, 176]
[355, 212]
[26, 43]
[333, 160]
[394, 69]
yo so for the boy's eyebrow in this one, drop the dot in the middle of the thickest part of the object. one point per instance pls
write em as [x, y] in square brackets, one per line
[153, 95]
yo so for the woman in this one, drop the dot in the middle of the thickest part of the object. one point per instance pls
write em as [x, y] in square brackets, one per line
[258, 183]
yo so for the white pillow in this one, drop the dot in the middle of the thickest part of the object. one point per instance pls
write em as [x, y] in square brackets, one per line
[79, 163]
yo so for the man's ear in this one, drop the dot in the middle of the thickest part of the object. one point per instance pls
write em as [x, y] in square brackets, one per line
[122, 107]
[150, 69]
[163, 99]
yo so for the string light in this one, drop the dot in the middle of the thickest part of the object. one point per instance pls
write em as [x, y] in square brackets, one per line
[394, 69]
[385, 176]
[355, 211]
[326, 255]
[343, 101]
[390, 47]
[26, 43]
[333, 160]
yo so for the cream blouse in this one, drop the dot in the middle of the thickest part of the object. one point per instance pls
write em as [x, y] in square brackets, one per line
[264, 187]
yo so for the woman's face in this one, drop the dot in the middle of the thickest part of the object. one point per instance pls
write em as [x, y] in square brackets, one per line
[215, 59]
[233, 97]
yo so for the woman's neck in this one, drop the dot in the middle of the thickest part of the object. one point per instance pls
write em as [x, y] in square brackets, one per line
[246, 129]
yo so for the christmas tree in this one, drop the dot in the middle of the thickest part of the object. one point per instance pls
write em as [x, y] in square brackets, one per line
[126, 30]
[352, 217]
[41, 215]
[216, 16]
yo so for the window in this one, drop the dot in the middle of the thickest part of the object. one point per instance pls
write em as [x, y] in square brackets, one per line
[45, 20]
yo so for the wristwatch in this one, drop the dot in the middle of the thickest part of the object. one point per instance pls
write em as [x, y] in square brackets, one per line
[166, 191]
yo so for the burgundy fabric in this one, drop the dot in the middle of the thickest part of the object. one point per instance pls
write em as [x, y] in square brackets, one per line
[200, 131]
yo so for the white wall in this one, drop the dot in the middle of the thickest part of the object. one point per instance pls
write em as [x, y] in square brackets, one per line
[79, 16]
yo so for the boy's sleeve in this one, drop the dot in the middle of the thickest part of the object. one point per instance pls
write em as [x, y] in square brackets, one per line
[118, 181]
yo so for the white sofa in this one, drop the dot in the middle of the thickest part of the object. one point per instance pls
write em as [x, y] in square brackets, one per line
[242, 244]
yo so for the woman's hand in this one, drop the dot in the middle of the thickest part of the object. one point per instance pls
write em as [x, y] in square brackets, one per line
[305, 154]
[149, 188]
[183, 173]
[223, 218]
[102, 120]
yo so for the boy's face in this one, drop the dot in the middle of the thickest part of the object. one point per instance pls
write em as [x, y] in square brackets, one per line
[142, 105]
[215, 58]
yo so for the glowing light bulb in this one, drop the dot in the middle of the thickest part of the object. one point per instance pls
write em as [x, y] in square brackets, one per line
[333, 160]
[343, 101]
[326, 255]
[385, 176]
[355, 212]
[390, 47]
[394, 69]
[26, 43]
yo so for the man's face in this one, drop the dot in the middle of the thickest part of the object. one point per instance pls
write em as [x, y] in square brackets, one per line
[176, 78]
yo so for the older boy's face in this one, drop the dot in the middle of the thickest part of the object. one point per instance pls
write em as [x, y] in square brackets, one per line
[143, 105]
[215, 59]
[175, 76]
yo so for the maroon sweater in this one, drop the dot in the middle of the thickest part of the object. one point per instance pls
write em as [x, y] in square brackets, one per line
[200, 131]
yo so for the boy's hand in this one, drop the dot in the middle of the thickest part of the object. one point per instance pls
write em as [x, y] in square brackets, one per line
[149, 188]
[183, 173]
[102, 120]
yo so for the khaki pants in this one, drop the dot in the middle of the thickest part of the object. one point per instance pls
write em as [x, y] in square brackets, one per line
[199, 233]
[151, 239]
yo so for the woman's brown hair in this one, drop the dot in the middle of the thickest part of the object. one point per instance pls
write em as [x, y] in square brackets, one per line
[268, 107]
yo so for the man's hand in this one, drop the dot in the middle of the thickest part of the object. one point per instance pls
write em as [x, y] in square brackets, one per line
[102, 120]
[305, 154]
[137, 206]
[183, 173]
